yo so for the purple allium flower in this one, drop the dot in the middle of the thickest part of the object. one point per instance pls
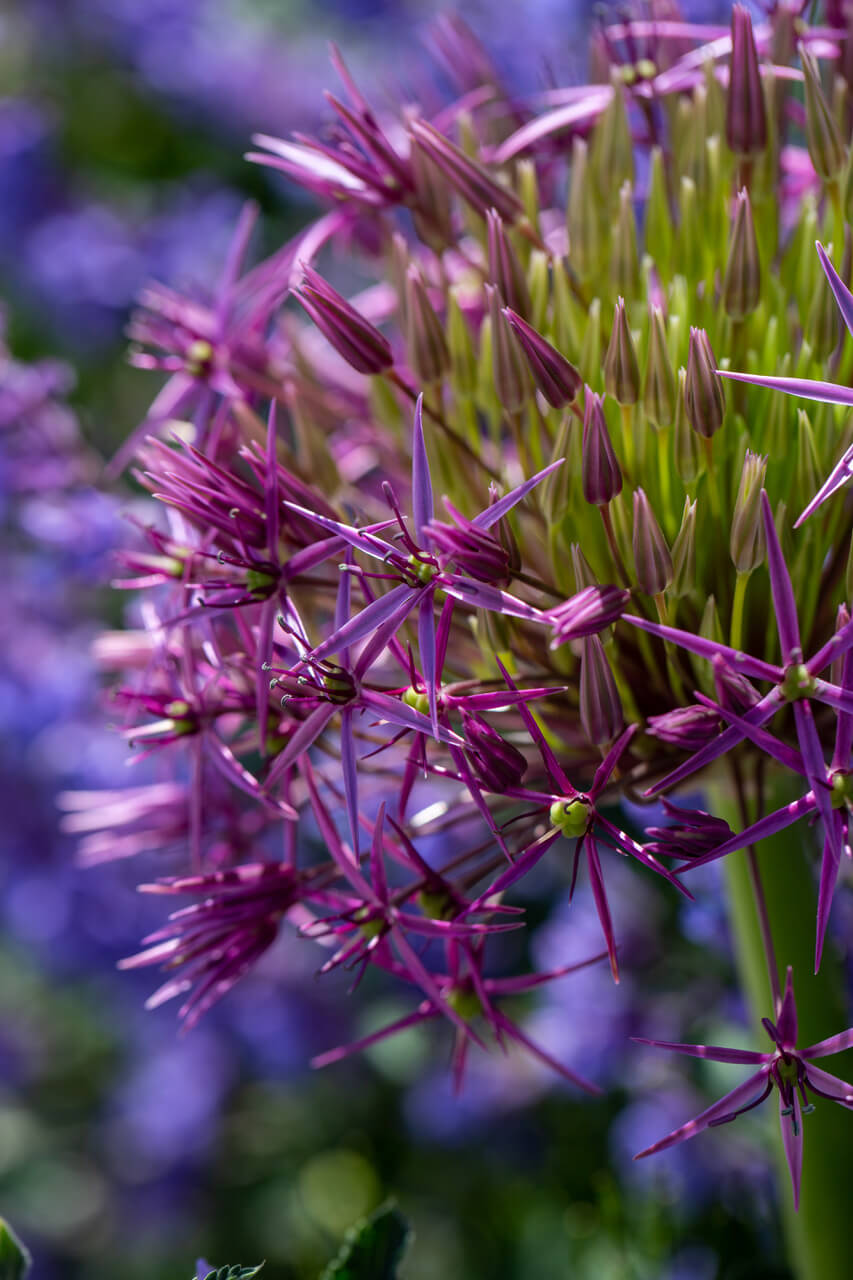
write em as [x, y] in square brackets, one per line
[789, 1070]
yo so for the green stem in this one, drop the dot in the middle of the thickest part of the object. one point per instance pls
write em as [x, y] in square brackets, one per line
[817, 1236]
[736, 633]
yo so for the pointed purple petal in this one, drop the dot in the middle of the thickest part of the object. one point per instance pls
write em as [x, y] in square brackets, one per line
[350, 772]
[558, 777]
[717, 1111]
[837, 478]
[766, 826]
[361, 539]
[426, 645]
[499, 509]
[303, 738]
[835, 1044]
[823, 392]
[829, 868]
[515, 1033]
[843, 296]
[479, 595]
[343, 605]
[792, 1140]
[422, 501]
[710, 649]
[786, 1023]
[599, 893]
[765, 741]
[816, 766]
[831, 1085]
[608, 764]
[713, 1052]
[400, 599]
[395, 711]
[783, 593]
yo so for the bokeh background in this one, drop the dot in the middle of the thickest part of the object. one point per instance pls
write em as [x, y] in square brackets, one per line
[127, 1149]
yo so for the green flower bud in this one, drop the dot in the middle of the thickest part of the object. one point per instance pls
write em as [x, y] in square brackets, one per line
[509, 368]
[432, 207]
[658, 222]
[624, 260]
[742, 281]
[540, 288]
[704, 398]
[806, 477]
[589, 360]
[747, 543]
[583, 215]
[621, 371]
[600, 707]
[612, 144]
[659, 382]
[709, 626]
[505, 270]
[652, 560]
[684, 553]
[688, 457]
[823, 136]
[427, 348]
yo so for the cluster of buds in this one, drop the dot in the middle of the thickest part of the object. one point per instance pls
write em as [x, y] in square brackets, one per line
[592, 617]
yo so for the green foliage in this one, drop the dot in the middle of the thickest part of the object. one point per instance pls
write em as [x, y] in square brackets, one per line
[373, 1248]
[14, 1258]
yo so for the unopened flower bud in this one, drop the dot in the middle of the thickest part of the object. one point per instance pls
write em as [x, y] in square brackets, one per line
[432, 211]
[621, 371]
[584, 576]
[694, 833]
[625, 260]
[688, 460]
[742, 281]
[353, 337]
[509, 368]
[600, 474]
[704, 398]
[684, 553]
[505, 270]
[600, 707]
[652, 560]
[735, 691]
[583, 215]
[475, 551]
[747, 543]
[469, 178]
[659, 383]
[428, 354]
[823, 137]
[612, 144]
[496, 762]
[658, 219]
[689, 728]
[746, 119]
[557, 379]
[586, 613]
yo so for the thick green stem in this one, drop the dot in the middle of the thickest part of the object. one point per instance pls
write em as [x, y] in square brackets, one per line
[818, 1236]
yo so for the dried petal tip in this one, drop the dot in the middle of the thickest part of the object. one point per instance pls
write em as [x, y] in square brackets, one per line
[746, 119]
[353, 337]
[742, 282]
[586, 613]
[704, 399]
[621, 370]
[652, 560]
[600, 474]
[747, 543]
[557, 379]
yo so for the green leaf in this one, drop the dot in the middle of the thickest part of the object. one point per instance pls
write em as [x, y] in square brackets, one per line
[373, 1248]
[15, 1260]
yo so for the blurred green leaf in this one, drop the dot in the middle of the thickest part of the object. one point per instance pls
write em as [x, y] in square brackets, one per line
[373, 1248]
[14, 1258]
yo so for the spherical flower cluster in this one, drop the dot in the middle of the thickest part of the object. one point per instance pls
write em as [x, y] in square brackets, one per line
[360, 675]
